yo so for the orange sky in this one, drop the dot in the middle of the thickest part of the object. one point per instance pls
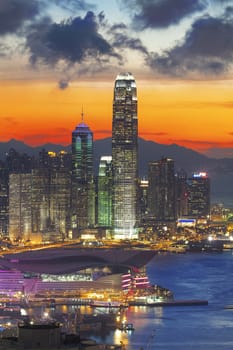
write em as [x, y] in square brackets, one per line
[197, 114]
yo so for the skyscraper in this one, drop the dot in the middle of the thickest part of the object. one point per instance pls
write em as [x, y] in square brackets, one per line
[161, 192]
[4, 201]
[181, 193]
[39, 201]
[82, 192]
[125, 157]
[51, 194]
[142, 200]
[199, 195]
[20, 206]
[105, 192]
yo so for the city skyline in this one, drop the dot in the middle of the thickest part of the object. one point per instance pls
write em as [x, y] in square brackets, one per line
[181, 57]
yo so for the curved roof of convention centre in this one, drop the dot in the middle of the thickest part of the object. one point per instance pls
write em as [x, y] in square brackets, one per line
[71, 259]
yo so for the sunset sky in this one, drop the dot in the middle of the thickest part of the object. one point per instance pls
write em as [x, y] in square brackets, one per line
[59, 56]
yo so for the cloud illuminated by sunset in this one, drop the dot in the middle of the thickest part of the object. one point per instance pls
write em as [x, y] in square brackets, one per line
[62, 56]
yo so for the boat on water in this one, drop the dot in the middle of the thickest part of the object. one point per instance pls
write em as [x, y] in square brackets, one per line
[179, 249]
[10, 310]
[126, 327]
[106, 304]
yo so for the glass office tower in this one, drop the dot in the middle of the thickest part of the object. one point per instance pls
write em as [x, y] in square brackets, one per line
[105, 192]
[125, 157]
[161, 192]
[83, 191]
[199, 195]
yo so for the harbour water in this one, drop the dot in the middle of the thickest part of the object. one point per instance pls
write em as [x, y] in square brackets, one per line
[203, 276]
[190, 276]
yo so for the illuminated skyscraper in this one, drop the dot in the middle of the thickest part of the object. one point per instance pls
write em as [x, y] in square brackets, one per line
[4, 201]
[125, 157]
[161, 192]
[105, 192]
[20, 217]
[142, 200]
[82, 193]
[199, 195]
[39, 201]
[181, 193]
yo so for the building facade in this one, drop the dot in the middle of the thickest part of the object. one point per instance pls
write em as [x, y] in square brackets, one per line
[125, 157]
[162, 190]
[39, 202]
[181, 193]
[105, 192]
[82, 180]
[199, 195]
[142, 201]
[4, 201]
[20, 218]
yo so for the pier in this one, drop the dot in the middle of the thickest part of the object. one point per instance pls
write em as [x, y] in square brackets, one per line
[194, 302]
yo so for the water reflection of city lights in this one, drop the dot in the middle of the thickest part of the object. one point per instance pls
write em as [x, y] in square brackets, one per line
[23, 312]
[120, 337]
[64, 308]
[158, 315]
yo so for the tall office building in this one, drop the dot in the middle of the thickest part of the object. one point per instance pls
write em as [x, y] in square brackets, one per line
[20, 204]
[161, 192]
[50, 203]
[181, 193]
[105, 192]
[142, 201]
[83, 190]
[199, 195]
[39, 202]
[125, 157]
[4, 201]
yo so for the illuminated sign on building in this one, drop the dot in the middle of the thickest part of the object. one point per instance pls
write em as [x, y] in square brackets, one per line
[200, 174]
[186, 222]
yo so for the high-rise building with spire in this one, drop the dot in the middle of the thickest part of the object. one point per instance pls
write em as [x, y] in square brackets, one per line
[82, 192]
[125, 157]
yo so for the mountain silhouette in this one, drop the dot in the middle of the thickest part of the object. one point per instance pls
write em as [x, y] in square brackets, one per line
[220, 171]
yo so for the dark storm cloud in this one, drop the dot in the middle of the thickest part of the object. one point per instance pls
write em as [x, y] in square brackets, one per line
[122, 39]
[13, 13]
[161, 13]
[207, 48]
[71, 41]
[74, 5]
[229, 12]
[63, 84]
[118, 26]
